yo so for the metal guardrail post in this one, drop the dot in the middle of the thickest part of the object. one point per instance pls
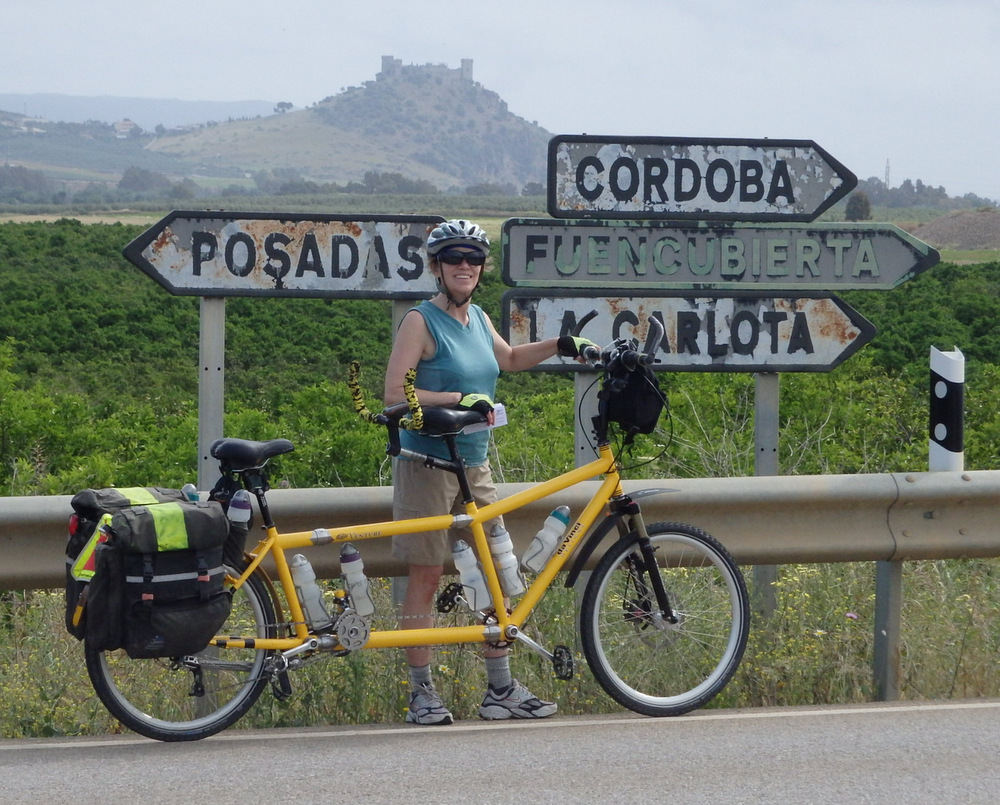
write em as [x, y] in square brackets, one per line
[888, 608]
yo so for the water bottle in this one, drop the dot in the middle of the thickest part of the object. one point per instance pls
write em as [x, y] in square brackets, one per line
[353, 570]
[239, 507]
[308, 591]
[471, 576]
[190, 492]
[502, 550]
[545, 541]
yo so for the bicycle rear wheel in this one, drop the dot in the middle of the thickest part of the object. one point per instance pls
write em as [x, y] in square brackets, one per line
[643, 660]
[190, 698]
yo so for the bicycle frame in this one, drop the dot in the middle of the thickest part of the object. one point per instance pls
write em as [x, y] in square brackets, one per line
[506, 624]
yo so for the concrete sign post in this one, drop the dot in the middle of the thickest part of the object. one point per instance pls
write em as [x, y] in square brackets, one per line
[706, 178]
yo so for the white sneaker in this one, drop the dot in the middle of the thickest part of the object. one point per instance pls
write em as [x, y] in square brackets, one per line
[514, 702]
[426, 707]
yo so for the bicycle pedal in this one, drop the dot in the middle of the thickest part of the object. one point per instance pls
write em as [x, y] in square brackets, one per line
[448, 598]
[562, 663]
[281, 686]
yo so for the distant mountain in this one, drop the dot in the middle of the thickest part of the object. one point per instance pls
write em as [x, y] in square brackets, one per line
[428, 122]
[148, 113]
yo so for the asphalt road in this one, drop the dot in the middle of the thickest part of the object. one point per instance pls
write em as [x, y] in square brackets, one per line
[938, 753]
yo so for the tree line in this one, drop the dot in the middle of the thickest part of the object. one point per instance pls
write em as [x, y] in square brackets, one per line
[98, 380]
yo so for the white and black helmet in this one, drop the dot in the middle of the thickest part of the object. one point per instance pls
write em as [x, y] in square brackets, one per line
[457, 232]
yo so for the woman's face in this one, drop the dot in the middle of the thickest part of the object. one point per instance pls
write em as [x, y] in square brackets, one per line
[456, 272]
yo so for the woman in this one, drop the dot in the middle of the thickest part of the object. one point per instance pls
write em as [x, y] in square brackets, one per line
[458, 355]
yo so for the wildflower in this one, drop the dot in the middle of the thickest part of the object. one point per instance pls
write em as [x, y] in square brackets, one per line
[852, 615]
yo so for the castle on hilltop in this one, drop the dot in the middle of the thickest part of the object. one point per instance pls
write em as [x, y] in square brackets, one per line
[393, 67]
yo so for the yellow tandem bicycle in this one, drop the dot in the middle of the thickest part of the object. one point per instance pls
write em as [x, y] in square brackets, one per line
[663, 620]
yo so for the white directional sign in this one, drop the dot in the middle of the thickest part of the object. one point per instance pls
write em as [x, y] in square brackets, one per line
[680, 178]
[542, 253]
[276, 254]
[702, 332]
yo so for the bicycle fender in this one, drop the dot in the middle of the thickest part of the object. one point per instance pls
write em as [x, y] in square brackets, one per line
[599, 533]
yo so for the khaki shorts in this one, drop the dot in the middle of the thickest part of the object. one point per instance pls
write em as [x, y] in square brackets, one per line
[418, 491]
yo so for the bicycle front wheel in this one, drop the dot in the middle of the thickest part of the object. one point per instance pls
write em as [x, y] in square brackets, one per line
[656, 663]
[189, 698]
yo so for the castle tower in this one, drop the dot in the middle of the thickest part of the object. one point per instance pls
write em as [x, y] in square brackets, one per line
[467, 69]
[391, 65]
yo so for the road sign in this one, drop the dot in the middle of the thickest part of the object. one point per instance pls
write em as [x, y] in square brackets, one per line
[634, 255]
[683, 178]
[739, 333]
[276, 254]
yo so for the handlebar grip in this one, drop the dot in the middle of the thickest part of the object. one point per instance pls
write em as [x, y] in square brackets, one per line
[590, 353]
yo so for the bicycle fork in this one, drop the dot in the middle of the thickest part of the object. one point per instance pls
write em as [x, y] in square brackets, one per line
[645, 576]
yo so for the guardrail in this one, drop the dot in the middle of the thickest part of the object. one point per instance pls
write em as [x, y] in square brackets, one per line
[762, 520]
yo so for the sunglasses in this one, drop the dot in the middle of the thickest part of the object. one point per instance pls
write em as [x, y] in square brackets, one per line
[456, 258]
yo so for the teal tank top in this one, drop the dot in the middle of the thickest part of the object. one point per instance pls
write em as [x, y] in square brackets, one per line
[463, 361]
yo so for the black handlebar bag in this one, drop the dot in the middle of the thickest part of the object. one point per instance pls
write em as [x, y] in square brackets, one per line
[635, 402]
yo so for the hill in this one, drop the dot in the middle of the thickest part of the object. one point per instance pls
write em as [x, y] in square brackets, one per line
[424, 122]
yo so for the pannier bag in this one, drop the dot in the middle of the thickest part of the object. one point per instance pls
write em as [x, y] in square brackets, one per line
[157, 584]
[93, 508]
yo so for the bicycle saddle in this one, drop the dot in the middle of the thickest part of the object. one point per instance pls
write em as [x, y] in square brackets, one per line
[243, 454]
[448, 421]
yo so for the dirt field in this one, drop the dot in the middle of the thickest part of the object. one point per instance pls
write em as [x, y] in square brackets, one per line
[965, 230]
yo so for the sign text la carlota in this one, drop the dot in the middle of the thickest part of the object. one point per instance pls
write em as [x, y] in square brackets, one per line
[702, 332]
[273, 254]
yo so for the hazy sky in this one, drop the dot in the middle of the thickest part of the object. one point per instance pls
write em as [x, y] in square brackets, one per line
[914, 82]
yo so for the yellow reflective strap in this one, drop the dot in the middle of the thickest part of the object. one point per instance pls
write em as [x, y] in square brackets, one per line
[171, 533]
[83, 567]
[138, 495]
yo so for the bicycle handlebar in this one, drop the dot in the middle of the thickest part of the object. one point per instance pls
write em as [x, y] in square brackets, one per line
[623, 354]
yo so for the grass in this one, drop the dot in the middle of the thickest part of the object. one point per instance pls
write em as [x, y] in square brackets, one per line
[815, 648]
[970, 256]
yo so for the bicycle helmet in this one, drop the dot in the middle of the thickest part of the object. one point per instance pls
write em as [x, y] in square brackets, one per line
[457, 232]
